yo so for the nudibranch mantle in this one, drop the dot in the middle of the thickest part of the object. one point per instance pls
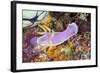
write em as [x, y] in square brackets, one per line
[58, 37]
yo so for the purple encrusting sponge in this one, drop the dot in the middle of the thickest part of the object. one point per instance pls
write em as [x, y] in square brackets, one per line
[58, 38]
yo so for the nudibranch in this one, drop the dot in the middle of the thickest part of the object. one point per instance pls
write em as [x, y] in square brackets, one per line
[56, 38]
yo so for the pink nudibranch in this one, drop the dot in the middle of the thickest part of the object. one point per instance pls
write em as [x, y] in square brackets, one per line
[58, 38]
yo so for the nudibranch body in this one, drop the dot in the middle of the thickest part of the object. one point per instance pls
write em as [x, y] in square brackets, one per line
[57, 37]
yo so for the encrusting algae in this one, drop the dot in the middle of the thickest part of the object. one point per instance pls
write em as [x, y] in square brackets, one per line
[77, 47]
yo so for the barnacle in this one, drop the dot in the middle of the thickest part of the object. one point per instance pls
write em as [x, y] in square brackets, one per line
[41, 33]
[42, 28]
[49, 30]
[47, 21]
